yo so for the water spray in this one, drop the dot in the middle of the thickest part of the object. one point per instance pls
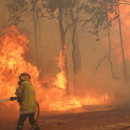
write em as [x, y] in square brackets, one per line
[4, 100]
[10, 99]
[20, 99]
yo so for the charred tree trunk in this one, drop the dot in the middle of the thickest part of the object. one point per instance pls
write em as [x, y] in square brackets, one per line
[76, 43]
[4, 19]
[12, 14]
[75, 48]
[65, 69]
[122, 49]
[74, 59]
[77, 53]
[109, 53]
[39, 44]
[36, 38]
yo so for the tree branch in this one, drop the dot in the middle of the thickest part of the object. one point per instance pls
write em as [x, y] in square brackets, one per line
[76, 22]
[109, 54]
[99, 64]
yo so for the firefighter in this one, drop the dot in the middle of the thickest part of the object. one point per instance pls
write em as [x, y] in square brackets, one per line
[27, 101]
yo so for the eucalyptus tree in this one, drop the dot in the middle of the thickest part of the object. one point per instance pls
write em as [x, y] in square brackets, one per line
[65, 8]
[45, 9]
[59, 10]
[26, 11]
[103, 14]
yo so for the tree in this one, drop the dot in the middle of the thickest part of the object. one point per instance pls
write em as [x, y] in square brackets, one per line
[101, 11]
[68, 8]
[122, 49]
[46, 8]
[19, 12]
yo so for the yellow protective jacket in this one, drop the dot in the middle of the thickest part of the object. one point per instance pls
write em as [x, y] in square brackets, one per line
[27, 91]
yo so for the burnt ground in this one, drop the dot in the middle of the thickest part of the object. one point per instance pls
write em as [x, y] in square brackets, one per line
[82, 119]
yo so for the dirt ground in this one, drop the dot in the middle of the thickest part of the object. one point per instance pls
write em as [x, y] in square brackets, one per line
[82, 119]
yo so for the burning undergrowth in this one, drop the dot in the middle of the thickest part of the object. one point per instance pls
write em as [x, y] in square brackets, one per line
[50, 91]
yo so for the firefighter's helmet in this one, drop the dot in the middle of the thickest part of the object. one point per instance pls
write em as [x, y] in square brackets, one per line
[24, 74]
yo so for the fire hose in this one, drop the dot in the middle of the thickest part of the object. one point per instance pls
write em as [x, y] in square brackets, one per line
[124, 128]
[18, 98]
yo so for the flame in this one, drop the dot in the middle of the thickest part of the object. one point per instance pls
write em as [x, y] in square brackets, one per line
[116, 47]
[61, 80]
[13, 46]
[50, 91]
[55, 11]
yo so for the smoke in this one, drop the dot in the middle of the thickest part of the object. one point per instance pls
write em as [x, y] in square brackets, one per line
[86, 84]
[8, 113]
[117, 89]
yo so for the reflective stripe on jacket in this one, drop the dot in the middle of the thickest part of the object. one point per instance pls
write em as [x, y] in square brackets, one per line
[29, 104]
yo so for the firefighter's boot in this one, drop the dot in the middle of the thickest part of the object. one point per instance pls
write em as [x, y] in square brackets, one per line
[36, 127]
[19, 128]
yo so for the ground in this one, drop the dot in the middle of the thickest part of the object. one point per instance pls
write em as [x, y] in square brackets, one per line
[81, 119]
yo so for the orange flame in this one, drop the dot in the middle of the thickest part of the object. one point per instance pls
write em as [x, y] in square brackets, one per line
[125, 23]
[50, 92]
[12, 46]
[61, 80]
[55, 11]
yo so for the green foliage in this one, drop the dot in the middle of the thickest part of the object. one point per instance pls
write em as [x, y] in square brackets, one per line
[44, 8]
[103, 13]
[100, 10]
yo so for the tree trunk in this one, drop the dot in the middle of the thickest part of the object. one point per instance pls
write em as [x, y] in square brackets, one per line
[39, 45]
[109, 53]
[36, 38]
[75, 52]
[65, 69]
[14, 14]
[122, 49]
[77, 55]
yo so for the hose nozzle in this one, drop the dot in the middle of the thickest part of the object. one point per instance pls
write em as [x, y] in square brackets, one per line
[13, 98]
